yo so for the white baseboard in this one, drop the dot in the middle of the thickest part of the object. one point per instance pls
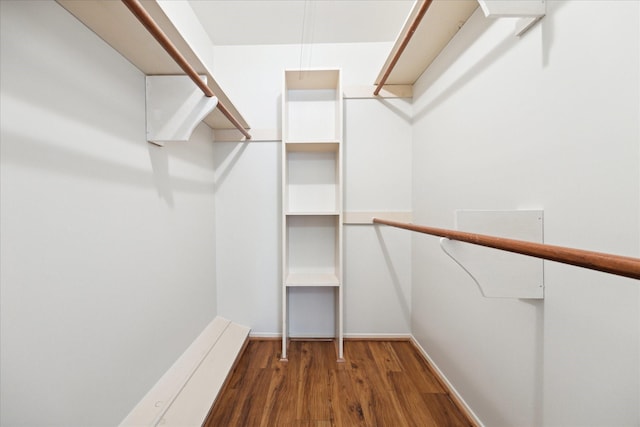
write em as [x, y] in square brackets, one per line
[364, 335]
[455, 395]
[265, 335]
[381, 337]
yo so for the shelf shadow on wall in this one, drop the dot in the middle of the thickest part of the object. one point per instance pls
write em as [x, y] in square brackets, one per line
[474, 28]
[160, 167]
[395, 280]
[397, 111]
[468, 76]
[89, 83]
[39, 154]
[230, 158]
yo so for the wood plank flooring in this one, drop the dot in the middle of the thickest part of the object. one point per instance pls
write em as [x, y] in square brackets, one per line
[380, 384]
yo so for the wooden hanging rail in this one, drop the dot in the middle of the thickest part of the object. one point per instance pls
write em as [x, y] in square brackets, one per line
[403, 45]
[154, 29]
[608, 263]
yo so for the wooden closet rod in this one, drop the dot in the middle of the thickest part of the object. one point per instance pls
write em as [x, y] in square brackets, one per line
[143, 16]
[614, 264]
[403, 45]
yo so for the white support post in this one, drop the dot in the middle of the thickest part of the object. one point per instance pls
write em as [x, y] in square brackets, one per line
[530, 11]
[175, 106]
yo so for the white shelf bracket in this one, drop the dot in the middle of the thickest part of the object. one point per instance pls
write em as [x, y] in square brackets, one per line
[175, 106]
[530, 12]
[500, 274]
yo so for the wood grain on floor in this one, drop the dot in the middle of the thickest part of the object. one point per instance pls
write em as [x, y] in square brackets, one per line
[380, 384]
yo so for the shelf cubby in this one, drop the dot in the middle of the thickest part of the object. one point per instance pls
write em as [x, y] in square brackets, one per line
[311, 250]
[312, 106]
[312, 178]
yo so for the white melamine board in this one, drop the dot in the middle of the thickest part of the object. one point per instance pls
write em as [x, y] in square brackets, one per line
[168, 387]
[312, 115]
[312, 312]
[440, 23]
[312, 181]
[311, 244]
[310, 279]
[192, 405]
[313, 146]
[312, 79]
[501, 274]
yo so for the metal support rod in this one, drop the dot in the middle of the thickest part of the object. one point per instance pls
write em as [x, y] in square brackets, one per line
[147, 20]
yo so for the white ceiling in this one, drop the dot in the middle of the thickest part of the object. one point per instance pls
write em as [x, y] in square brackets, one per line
[237, 22]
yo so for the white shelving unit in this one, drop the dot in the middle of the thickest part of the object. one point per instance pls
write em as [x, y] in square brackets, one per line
[312, 190]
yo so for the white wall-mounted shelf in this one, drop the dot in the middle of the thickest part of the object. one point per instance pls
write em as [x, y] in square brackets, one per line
[116, 25]
[440, 23]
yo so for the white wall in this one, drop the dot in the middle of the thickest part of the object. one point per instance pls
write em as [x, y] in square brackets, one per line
[248, 201]
[107, 262]
[548, 121]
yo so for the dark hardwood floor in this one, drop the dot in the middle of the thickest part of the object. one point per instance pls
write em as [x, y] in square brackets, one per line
[381, 383]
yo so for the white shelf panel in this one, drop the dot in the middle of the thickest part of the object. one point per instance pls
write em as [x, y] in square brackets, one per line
[315, 213]
[298, 279]
[312, 79]
[441, 22]
[316, 146]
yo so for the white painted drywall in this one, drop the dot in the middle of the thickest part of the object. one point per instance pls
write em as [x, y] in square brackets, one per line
[377, 170]
[548, 121]
[107, 262]
[377, 177]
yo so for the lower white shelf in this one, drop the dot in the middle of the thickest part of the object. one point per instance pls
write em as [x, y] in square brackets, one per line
[308, 279]
[183, 396]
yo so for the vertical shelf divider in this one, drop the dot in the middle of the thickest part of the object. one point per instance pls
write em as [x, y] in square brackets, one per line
[312, 220]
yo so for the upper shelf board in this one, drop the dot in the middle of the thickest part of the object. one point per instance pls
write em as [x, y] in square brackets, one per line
[312, 79]
[440, 23]
[116, 25]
